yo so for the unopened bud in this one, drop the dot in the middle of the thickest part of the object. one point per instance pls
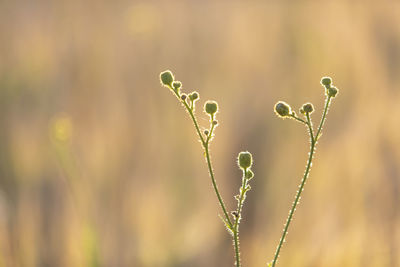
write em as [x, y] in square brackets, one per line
[245, 160]
[194, 96]
[177, 85]
[249, 174]
[308, 108]
[282, 109]
[211, 107]
[167, 78]
[332, 91]
[326, 81]
[183, 96]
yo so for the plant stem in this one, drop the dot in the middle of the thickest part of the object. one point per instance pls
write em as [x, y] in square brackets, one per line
[196, 125]
[242, 196]
[310, 127]
[205, 144]
[289, 219]
[327, 103]
[313, 139]
[214, 183]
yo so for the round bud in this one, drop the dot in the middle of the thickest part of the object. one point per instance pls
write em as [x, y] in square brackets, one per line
[245, 160]
[211, 107]
[326, 81]
[249, 174]
[167, 78]
[215, 122]
[282, 109]
[332, 91]
[302, 111]
[206, 132]
[183, 96]
[308, 108]
[177, 85]
[194, 96]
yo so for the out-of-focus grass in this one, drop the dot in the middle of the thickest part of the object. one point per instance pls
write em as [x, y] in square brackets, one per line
[142, 199]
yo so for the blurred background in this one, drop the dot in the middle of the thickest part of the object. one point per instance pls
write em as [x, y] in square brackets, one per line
[101, 166]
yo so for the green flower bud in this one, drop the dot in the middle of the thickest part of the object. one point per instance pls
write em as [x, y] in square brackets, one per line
[215, 122]
[211, 107]
[332, 91]
[245, 160]
[282, 109]
[177, 85]
[183, 97]
[249, 174]
[326, 81]
[194, 96]
[308, 108]
[167, 78]
[206, 132]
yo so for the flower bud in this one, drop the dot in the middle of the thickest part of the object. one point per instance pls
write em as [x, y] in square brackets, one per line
[167, 78]
[249, 174]
[183, 96]
[245, 160]
[211, 107]
[194, 96]
[282, 109]
[308, 108]
[206, 132]
[177, 85]
[326, 81]
[215, 122]
[332, 91]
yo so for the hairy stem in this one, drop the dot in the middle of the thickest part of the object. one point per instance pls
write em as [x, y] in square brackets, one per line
[313, 139]
[296, 201]
[196, 124]
[214, 183]
[205, 144]
[242, 196]
[327, 103]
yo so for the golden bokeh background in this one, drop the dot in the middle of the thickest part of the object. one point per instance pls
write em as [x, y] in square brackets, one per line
[100, 165]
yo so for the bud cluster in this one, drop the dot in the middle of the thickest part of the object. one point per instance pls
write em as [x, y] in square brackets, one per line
[168, 80]
[283, 110]
[330, 90]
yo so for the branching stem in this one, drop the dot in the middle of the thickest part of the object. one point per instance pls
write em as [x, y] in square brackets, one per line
[313, 140]
[205, 144]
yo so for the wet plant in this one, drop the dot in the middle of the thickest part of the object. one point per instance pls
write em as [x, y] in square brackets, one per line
[244, 160]
[283, 110]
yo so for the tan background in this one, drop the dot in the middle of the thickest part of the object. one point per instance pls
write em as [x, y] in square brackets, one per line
[100, 165]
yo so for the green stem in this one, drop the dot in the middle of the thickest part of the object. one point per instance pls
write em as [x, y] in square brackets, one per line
[310, 127]
[196, 125]
[210, 169]
[314, 139]
[298, 119]
[238, 217]
[214, 183]
[296, 201]
[327, 103]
